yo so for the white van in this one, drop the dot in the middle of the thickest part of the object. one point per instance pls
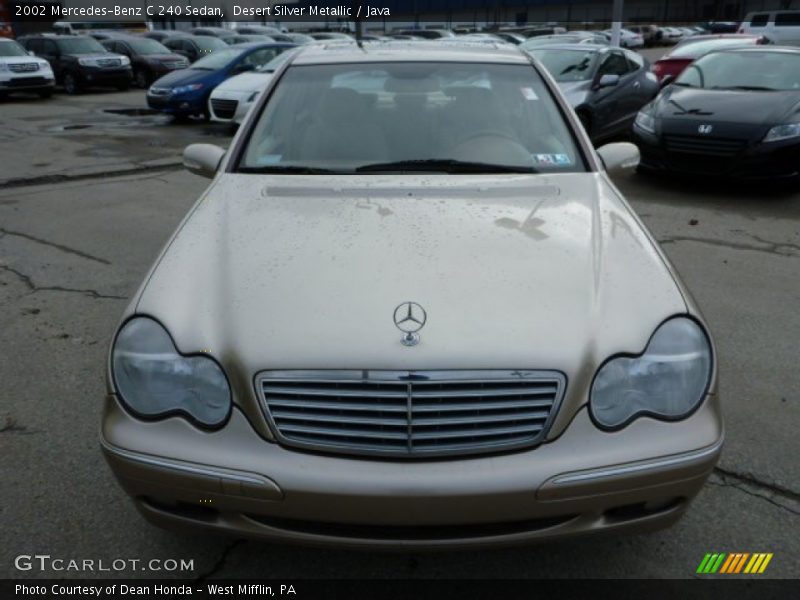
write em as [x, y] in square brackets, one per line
[777, 26]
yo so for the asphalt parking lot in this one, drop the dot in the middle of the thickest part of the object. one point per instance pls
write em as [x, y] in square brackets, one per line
[89, 195]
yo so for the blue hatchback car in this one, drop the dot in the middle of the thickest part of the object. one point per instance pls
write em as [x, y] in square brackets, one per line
[185, 93]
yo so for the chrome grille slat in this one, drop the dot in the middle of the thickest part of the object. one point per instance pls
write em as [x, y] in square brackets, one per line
[410, 413]
[23, 67]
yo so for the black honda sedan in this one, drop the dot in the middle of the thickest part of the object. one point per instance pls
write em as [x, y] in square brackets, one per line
[732, 113]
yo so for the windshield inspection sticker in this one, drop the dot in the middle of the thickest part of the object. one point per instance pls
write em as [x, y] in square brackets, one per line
[528, 93]
[552, 160]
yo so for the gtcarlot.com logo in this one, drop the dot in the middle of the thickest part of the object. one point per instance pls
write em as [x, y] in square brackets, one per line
[45, 562]
[734, 563]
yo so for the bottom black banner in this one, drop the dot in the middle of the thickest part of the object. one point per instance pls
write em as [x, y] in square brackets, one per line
[390, 589]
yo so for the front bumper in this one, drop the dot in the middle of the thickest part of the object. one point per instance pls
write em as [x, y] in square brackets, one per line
[229, 106]
[585, 481]
[27, 83]
[778, 160]
[98, 76]
[182, 104]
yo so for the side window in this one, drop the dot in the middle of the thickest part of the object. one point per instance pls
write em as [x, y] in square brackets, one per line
[759, 20]
[614, 64]
[635, 61]
[260, 57]
[49, 48]
[34, 46]
[787, 19]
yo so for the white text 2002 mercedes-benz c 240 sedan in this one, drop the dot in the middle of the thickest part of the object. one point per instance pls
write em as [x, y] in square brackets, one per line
[411, 310]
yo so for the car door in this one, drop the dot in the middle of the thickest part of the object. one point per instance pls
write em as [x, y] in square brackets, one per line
[644, 83]
[611, 104]
[787, 28]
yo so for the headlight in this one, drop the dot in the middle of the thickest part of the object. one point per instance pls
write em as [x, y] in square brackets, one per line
[87, 62]
[154, 380]
[125, 60]
[645, 120]
[782, 132]
[45, 66]
[667, 381]
[182, 89]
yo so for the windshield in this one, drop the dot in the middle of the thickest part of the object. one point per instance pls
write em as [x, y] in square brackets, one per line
[80, 45]
[567, 65]
[146, 46]
[699, 48]
[766, 71]
[208, 43]
[217, 60]
[407, 117]
[12, 48]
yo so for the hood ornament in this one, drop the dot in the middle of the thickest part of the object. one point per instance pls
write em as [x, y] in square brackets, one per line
[410, 317]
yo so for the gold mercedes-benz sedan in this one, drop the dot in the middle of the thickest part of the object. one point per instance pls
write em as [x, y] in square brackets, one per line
[412, 310]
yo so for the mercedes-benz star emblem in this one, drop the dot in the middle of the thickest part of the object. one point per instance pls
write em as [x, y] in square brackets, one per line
[410, 317]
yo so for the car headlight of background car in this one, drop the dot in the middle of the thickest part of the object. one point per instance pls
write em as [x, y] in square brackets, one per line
[668, 380]
[125, 61]
[783, 132]
[645, 120]
[183, 89]
[154, 380]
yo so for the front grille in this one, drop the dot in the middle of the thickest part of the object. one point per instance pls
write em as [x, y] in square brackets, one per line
[175, 64]
[23, 67]
[707, 146]
[224, 109]
[410, 413]
[108, 62]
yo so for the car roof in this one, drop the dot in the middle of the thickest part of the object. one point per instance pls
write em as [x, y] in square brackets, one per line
[343, 51]
[776, 49]
[568, 46]
[249, 45]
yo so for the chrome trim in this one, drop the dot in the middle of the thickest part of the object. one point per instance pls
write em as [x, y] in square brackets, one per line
[630, 469]
[181, 466]
[403, 422]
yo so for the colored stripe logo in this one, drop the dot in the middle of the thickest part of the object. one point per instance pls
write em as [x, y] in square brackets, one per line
[734, 563]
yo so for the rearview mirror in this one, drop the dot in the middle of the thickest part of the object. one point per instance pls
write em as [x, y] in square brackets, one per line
[619, 158]
[607, 80]
[203, 159]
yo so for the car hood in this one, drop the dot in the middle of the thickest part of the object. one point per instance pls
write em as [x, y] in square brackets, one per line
[576, 92]
[245, 82]
[182, 77]
[93, 55]
[514, 271]
[744, 108]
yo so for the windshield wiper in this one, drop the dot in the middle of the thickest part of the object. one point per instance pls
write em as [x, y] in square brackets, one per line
[749, 88]
[444, 164]
[291, 170]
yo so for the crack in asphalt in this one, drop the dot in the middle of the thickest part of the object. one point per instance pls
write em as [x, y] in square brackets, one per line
[220, 564]
[744, 483]
[55, 245]
[772, 247]
[64, 178]
[57, 288]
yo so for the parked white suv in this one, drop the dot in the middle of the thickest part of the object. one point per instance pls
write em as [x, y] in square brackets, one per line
[777, 26]
[21, 72]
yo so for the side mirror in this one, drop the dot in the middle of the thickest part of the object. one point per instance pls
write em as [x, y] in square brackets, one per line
[618, 158]
[607, 80]
[203, 159]
[666, 80]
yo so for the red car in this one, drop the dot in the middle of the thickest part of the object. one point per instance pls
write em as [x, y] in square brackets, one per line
[681, 56]
[6, 30]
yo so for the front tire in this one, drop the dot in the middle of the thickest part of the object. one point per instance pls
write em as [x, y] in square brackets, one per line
[142, 79]
[71, 85]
